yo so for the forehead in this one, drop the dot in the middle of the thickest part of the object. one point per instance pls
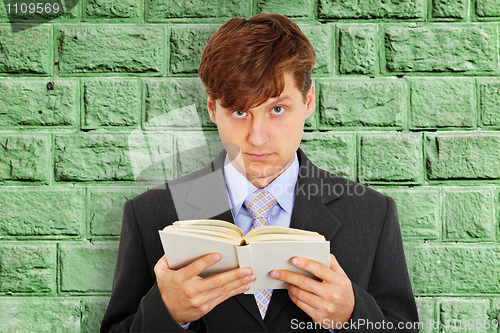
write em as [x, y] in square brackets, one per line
[290, 93]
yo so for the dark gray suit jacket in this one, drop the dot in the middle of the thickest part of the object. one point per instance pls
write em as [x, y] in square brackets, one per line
[360, 223]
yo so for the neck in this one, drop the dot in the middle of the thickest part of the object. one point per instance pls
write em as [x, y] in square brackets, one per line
[261, 182]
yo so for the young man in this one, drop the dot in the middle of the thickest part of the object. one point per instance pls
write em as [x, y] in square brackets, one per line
[257, 75]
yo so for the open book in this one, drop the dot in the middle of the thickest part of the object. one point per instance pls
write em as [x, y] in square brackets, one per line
[264, 248]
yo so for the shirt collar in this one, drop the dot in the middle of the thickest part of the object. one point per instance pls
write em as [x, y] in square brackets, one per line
[282, 188]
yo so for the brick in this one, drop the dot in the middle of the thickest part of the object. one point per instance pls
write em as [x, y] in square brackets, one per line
[50, 211]
[24, 157]
[121, 49]
[425, 307]
[55, 314]
[468, 214]
[26, 52]
[111, 103]
[28, 268]
[93, 309]
[106, 207]
[357, 103]
[358, 52]
[186, 45]
[87, 267]
[371, 9]
[152, 157]
[489, 103]
[454, 9]
[497, 210]
[455, 269]
[38, 103]
[391, 157]
[321, 38]
[176, 103]
[196, 150]
[295, 9]
[418, 211]
[333, 152]
[462, 156]
[487, 8]
[448, 102]
[123, 10]
[466, 48]
[463, 314]
[85, 157]
[161, 10]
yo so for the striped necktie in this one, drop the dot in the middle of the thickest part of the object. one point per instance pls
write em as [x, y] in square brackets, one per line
[259, 204]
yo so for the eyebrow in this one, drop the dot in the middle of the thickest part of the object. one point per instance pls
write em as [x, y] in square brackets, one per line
[271, 101]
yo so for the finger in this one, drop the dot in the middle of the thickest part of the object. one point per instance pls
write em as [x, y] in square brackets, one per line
[310, 310]
[213, 302]
[162, 264]
[313, 267]
[197, 266]
[304, 296]
[230, 289]
[335, 266]
[297, 279]
[223, 279]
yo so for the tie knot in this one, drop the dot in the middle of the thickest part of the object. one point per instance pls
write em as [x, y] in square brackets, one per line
[260, 203]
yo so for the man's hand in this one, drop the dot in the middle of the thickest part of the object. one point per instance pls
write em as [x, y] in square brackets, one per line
[331, 299]
[188, 297]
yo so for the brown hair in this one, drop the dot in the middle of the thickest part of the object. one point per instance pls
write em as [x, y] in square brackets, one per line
[244, 62]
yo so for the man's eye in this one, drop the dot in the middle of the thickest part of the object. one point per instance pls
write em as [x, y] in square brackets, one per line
[278, 110]
[239, 114]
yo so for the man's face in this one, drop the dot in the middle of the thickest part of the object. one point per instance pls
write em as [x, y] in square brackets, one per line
[267, 135]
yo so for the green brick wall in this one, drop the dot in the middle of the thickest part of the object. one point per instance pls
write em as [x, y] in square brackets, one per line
[408, 96]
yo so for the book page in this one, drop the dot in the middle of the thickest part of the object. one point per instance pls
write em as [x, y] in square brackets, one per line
[211, 223]
[206, 232]
[267, 256]
[284, 237]
[269, 233]
[181, 250]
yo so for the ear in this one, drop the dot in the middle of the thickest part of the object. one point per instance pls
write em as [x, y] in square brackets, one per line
[211, 109]
[311, 101]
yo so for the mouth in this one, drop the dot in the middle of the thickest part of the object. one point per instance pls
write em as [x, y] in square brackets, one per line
[258, 157]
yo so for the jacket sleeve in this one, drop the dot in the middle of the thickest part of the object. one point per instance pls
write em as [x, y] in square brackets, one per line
[388, 302]
[136, 304]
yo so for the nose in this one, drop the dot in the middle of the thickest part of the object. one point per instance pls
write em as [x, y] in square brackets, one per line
[259, 131]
